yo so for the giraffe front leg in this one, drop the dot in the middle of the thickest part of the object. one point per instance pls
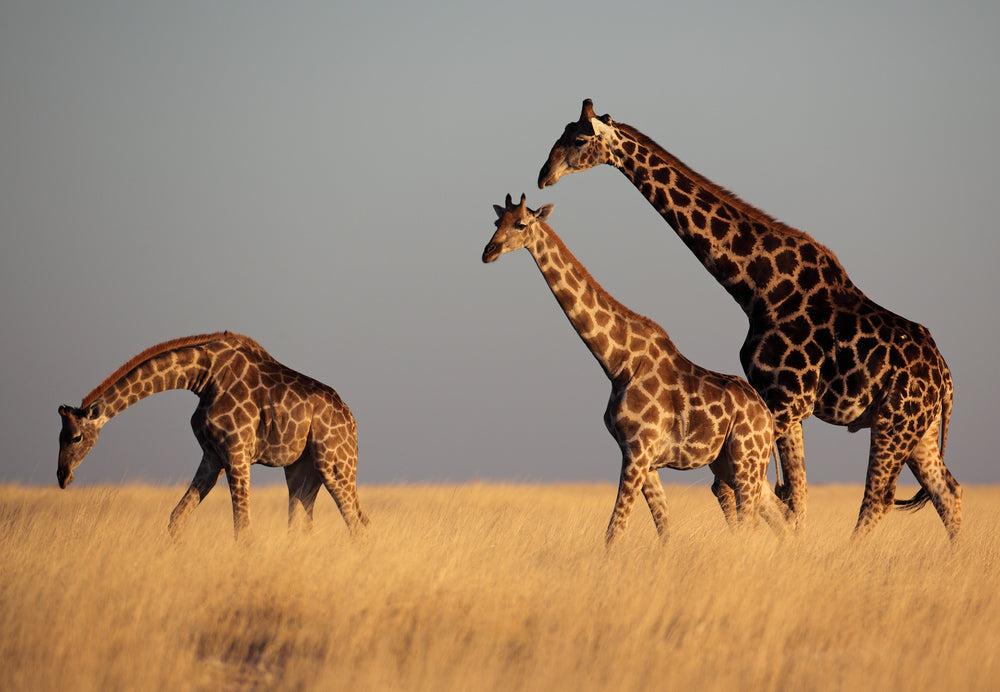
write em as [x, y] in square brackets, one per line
[633, 477]
[652, 490]
[238, 475]
[791, 455]
[204, 480]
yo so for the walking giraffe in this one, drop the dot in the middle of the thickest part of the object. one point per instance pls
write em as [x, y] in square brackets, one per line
[816, 343]
[664, 411]
[251, 409]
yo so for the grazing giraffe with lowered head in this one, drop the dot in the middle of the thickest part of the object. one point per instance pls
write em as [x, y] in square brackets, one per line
[251, 409]
[816, 343]
[664, 411]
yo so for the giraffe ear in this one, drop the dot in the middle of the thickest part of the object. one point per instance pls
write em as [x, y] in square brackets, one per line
[499, 210]
[544, 212]
[93, 411]
[68, 411]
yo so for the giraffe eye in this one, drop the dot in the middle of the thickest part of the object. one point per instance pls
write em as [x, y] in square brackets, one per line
[520, 225]
[76, 439]
[579, 141]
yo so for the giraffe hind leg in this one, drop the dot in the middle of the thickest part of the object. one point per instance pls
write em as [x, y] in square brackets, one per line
[338, 470]
[769, 506]
[936, 482]
[773, 511]
[722, 488]
[737, 486]
[303, 482]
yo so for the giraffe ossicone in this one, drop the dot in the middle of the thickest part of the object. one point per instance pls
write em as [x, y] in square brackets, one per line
[664, 411]
[251, 409]
[816, 344]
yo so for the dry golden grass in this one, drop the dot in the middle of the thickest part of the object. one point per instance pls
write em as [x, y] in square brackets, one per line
[489, 587]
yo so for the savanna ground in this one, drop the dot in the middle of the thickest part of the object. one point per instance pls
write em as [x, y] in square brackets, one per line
[489, 587]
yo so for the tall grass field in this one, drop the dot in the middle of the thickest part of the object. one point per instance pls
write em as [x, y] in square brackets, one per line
[490, 587]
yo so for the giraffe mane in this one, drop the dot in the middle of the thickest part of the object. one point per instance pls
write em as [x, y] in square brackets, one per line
[163, 347]
[724, 194]
[731, 198]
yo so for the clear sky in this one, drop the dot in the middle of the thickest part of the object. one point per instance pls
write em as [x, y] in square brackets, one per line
[321, 175]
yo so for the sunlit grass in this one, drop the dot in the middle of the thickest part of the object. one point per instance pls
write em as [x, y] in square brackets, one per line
[489, 587]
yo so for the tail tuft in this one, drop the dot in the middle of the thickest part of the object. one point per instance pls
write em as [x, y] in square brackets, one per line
[914, 503]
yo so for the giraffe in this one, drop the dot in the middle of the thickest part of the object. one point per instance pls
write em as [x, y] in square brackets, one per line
[664, 411]
[816, 344]
[251, 409]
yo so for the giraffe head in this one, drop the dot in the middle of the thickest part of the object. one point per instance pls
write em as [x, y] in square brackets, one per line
[516, 224]
[80, 428]
[583, 144]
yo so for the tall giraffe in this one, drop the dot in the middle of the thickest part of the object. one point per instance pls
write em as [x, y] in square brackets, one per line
[664, 411]
[251, 409]
[816, 344]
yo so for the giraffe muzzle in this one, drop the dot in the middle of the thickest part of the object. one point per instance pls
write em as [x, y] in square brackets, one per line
[64, 476]
[491, 252]
[545, 177]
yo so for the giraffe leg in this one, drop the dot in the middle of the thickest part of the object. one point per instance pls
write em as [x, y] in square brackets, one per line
[722, 488]
[747, 491]
[773, 510]
[652, 490]
[890, 447]
[934, 477]
[238, 476]
[633, 477]
[204, 480]
[340, 478]
[303, 483]
[793, 492]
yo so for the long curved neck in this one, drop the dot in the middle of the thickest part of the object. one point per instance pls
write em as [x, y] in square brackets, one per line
[182, 368]
[604, 324]
[746, 250]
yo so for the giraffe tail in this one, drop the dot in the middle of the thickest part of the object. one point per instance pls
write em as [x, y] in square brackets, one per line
[946, 401]
[914, 503]
[923, 497]
[777, 466]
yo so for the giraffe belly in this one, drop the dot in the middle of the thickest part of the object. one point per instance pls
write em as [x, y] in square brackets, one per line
[684, 455]
[282, 453]
[854, 413]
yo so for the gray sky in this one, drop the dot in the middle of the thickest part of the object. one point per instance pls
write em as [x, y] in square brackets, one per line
[320, 176]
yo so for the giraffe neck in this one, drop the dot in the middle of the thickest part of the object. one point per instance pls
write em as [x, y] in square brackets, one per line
[183, 368]
[604, 325]
[746, 250]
